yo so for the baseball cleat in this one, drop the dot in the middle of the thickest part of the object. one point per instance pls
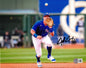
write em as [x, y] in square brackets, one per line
[39, 64]
[52, 59]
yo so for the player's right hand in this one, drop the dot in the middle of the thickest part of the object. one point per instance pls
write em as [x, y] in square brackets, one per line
[39, 37]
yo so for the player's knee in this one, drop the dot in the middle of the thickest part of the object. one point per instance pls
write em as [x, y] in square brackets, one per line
[39, 55]
[49, 45]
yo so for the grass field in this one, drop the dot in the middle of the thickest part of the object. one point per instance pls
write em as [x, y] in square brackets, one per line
[27, 55]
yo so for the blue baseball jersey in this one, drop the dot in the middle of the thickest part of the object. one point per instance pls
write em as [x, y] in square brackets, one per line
[41, 29]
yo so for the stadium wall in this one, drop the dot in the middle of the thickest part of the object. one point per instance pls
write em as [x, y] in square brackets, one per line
[18, 4]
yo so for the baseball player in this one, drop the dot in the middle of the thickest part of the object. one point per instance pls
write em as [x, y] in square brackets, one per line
[80, 28]
[39, 33]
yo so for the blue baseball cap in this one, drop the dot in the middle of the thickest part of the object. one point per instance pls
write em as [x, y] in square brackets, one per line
[46, 15]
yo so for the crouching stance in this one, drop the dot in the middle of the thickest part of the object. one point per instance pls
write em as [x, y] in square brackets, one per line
[39, 33]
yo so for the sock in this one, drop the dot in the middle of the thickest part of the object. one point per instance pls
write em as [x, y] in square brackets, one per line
[49, 49]
[38, 58]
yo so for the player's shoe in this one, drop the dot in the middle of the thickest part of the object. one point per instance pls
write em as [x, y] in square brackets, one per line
[39, 64]
[52, 59]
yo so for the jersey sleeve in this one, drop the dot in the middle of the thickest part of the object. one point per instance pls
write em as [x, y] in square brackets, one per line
[34, 27]
[51, 30]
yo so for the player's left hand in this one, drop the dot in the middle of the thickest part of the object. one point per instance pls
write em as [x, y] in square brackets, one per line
[52, 34]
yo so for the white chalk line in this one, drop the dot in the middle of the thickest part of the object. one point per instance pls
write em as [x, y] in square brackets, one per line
[42, 52]
[43, 57]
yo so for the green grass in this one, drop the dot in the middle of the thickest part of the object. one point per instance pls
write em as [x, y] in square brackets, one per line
[27, 55]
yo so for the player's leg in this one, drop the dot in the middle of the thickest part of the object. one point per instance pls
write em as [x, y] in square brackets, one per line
[79, 31]
[37, 46]
[81, 34]
[49, 44]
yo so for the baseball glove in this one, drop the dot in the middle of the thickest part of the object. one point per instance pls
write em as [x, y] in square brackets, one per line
[49, 22]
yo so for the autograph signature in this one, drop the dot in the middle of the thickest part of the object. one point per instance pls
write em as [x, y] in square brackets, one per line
[65, 39]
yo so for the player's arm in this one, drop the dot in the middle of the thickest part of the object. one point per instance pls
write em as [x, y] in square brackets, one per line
[35, 35]
[50, 24]
[52, 33]
[33, 30]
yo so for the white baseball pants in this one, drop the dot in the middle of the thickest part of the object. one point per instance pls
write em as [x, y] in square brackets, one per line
[37, 44]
